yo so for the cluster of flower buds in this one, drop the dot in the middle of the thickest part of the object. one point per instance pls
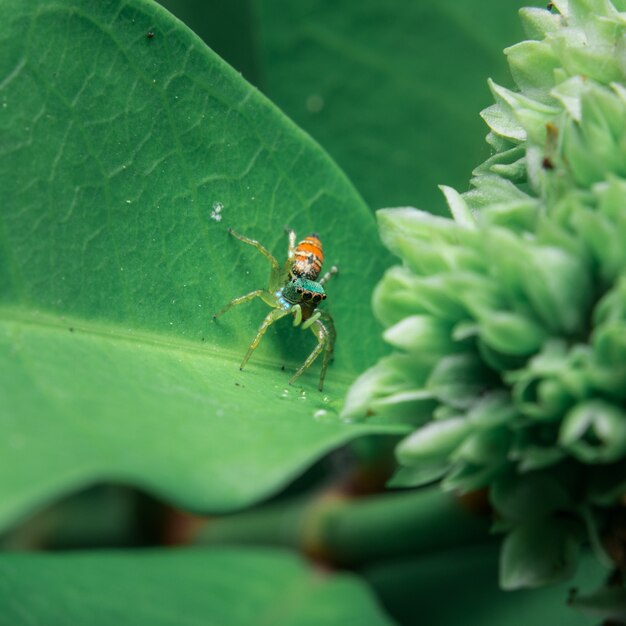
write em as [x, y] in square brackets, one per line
[509, 318]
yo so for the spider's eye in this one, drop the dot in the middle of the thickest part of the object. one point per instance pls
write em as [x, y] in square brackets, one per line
[317, 297]
[299, 289]
[323, 296]
[306, 295]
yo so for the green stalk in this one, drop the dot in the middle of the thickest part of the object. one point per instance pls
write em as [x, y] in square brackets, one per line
[349, 532]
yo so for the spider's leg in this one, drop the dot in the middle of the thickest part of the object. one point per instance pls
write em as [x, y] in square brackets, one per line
[273, 316]
[324, 331]
[296, 310]
[276, 276]
[259, 246]
[327, 323]
[311, 320]
[329, 274]
[321, 343]
[283, 276]
[240, 300]
[291, 233]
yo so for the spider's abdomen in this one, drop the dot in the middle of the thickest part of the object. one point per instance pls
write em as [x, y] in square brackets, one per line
[308, 258]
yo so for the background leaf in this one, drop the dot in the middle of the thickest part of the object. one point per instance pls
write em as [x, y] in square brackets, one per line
[423, 587]
[228, 27]
[391, 89]
[218, 587]
[112, 261]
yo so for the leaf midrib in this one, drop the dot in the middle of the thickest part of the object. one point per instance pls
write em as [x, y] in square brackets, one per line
[63, 323]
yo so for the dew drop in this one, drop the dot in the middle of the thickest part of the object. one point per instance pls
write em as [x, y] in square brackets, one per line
[325, 415]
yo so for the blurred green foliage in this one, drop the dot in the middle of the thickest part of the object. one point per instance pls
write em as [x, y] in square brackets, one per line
[520, 296]
[227, 587]
[391, 90]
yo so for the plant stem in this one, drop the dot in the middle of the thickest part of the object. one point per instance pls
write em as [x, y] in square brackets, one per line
[350, 532]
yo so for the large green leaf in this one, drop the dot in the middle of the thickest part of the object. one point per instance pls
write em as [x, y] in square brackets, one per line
[115, 149]
[217, 587]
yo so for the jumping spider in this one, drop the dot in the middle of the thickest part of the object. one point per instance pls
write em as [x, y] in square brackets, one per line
[294, 289]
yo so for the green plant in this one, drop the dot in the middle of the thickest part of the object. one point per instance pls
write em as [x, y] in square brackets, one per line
[127, 147]
[509, 317]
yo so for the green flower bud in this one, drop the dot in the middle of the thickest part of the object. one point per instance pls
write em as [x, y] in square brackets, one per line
[394, 387]
[487, 447]
[538, 23]
[532, 65]
[533, 116]
[595, 432]
[458, 380]
[511, 333]
[435, 441]
[400, 293]
[418, 333]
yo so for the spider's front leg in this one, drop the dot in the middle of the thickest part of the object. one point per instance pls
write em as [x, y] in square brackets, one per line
[296, 310]
[240, 300]
[273, 316]
[329, 274]
[324, 330]
[277, 271]
[291, 250]
[259, 246]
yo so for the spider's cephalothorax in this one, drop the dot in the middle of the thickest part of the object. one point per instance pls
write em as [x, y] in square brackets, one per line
[294, 289]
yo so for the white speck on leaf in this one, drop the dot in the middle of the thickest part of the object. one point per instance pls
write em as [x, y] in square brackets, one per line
[216, 214]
